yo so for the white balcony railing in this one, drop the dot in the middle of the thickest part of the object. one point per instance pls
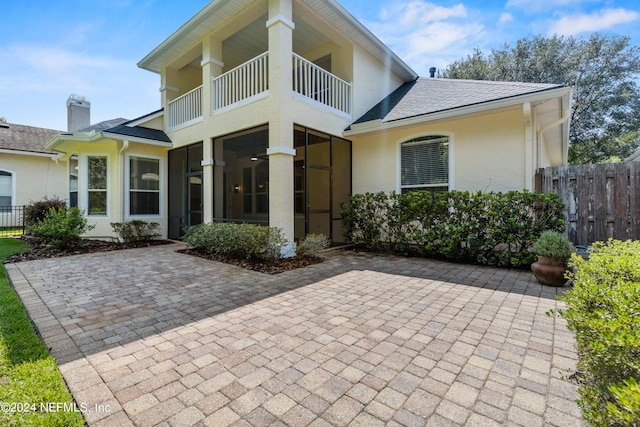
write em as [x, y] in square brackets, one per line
[251, 80]
[185, 109]
[316, 83]
[243, 82]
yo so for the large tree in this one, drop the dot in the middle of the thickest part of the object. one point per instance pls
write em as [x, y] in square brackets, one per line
[605, 118]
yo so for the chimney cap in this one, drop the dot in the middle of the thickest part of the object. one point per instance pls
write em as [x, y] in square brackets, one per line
[78, 100]
[432, 72]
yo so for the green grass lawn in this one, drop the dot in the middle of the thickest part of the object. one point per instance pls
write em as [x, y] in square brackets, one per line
[29, 376]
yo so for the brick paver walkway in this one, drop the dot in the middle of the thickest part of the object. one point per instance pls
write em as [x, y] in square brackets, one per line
[152, 337]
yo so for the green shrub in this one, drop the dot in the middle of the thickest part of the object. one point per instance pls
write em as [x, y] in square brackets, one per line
[36, 211]
[136, 230]
[243, 241]
[604, 312]
[552, 244]
[484, 228]
[61, 228]
[312, 245]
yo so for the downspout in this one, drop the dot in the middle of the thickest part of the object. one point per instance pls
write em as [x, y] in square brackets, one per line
[122, 195]
[529, 152]
[565, 116]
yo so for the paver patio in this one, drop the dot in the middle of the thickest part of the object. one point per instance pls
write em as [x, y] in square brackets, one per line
[152, 337]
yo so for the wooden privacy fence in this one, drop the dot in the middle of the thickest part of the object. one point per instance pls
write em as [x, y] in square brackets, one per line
[601, 200]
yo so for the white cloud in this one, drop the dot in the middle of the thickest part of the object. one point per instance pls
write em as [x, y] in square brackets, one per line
[505, 18]
[538, 5]
[596, 21]
[424, 34]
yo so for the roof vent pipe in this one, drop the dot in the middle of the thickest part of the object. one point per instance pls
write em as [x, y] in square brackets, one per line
[432, 72]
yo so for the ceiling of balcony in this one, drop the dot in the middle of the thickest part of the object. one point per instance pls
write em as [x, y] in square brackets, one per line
[252, 40]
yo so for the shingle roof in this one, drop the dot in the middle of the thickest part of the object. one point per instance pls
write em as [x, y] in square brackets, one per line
[25, 138]
[431, 95]
[121, 126]
[102, 126]
[140, 132]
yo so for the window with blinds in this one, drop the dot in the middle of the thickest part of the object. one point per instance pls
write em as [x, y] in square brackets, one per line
[425, 164]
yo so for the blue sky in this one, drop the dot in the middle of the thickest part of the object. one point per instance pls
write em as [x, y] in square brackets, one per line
[50, 49]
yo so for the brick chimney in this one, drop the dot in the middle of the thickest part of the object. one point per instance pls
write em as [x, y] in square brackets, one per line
[78, 113]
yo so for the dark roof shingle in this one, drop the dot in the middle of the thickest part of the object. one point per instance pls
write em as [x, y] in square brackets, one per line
[425, 96]
[25, 138]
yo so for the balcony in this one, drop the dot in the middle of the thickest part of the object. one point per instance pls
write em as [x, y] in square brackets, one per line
[250, 81]
[185, 109]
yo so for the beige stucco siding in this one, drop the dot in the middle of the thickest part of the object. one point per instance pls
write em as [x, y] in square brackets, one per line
[117, 183]
[35, 177]
[372, 81]
[487, 154]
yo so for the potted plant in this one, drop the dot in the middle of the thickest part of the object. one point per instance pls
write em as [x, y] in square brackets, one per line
[552, 250]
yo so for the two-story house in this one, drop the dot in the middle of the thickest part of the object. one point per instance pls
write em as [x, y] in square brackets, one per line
[275, 111]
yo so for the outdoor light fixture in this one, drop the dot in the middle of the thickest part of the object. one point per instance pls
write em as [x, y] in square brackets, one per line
[236, 188]
[254, 157]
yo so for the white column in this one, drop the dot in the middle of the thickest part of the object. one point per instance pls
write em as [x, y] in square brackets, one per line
[281, 151]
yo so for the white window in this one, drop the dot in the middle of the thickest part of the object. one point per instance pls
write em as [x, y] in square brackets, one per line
[424, 164]
[144, 186]
[73, 181]
[6, 189]
[97, 179]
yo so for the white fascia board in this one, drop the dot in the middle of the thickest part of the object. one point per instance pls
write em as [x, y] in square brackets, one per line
[76, 137]
[379, 125]
[28, 153]
[144, 119]
[119, 137]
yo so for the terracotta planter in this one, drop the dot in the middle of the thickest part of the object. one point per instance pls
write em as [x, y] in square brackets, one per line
[550, 271]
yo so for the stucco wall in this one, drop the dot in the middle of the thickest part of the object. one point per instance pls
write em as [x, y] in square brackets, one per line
[487, 154]
[36, 177]
[117, 183]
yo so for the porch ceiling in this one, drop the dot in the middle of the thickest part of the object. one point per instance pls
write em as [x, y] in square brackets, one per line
[245, 44]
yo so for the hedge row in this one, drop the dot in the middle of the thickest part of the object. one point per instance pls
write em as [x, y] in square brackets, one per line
[604, 312]
[485, 228]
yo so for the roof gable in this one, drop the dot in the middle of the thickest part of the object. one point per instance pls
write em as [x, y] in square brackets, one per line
[426, 96]
[219, 12]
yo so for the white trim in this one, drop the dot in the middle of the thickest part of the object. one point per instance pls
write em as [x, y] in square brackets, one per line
[281, 19]
[219, 163]
[210, 60]
[119, 137]
[127, 186]
[13, 185]
[83, 184]
[185, 124]
[250, 100]
[169, 87]
[281, 150]
[482, 108]
[207, 162]
[29, 153]
[144, 119]
[321, 105]
[451, 183]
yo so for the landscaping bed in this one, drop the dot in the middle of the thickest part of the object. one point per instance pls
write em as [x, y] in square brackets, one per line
[84, 247]
[274, 266]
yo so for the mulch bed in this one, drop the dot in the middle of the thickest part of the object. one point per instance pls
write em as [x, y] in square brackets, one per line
[93, 246]
[84, 247]
[267, 267]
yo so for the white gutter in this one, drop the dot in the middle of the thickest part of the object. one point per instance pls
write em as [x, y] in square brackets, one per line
[378, 125]
[28, 153]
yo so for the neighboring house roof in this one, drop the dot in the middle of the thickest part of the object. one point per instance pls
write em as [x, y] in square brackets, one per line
[25, 139]
[218, 12]
[428, 96]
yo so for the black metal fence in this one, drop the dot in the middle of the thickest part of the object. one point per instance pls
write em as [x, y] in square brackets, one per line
[12, 221]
